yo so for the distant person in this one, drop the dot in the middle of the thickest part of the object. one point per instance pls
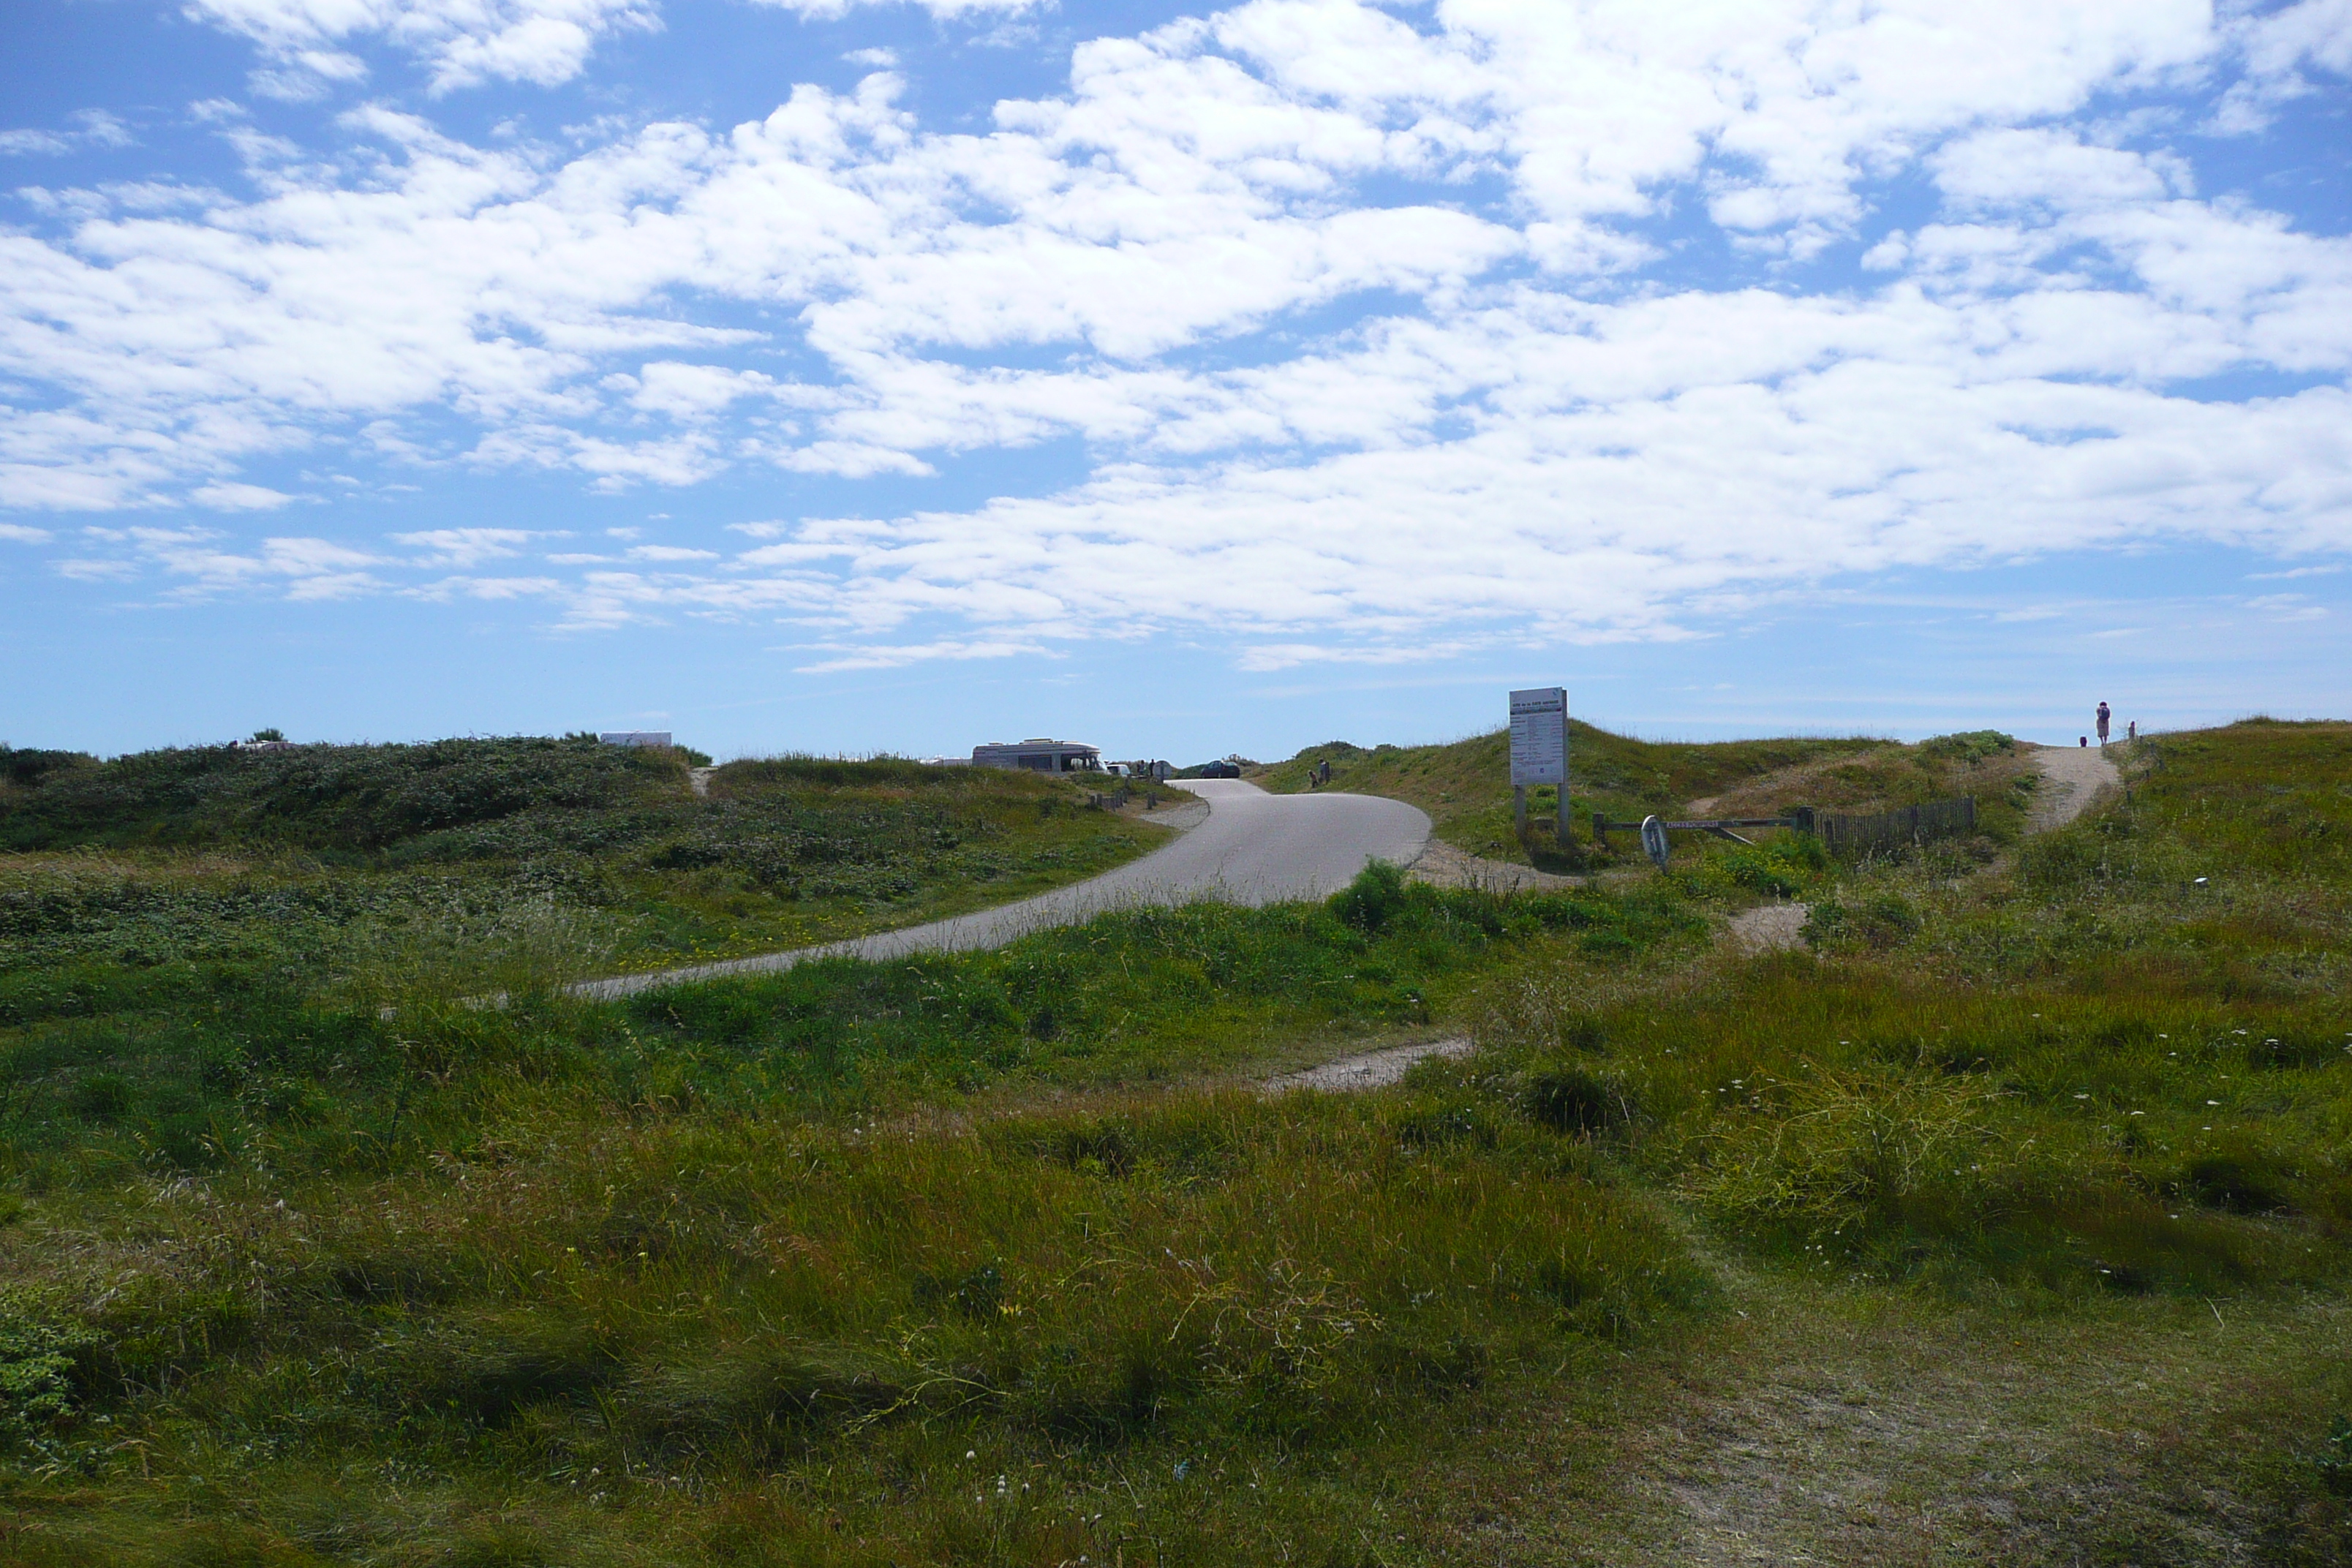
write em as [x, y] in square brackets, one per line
[2103, 723]
[2082, 740]
[2131, 730]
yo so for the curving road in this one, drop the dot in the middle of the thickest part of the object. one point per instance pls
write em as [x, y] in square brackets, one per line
[1251, 848]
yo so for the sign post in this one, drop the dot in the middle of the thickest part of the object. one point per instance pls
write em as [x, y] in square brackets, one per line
[1539, 752]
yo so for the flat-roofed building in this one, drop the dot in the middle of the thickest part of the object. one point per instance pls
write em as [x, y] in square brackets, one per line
[1040, 755]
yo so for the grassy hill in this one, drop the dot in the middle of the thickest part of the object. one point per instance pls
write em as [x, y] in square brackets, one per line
[2009, 1221]
[1465, 786]
[478, 857]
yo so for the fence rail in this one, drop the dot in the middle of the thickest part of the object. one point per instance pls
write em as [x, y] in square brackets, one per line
[1845, 836]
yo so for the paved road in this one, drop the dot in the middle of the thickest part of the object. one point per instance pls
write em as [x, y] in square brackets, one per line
[1253, 848]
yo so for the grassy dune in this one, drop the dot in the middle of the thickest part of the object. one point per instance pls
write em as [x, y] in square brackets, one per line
[484, 865]
[1465, 785]
[2006, 1222]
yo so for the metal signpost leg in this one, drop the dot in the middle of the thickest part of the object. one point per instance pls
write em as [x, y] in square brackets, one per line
[1519, 810]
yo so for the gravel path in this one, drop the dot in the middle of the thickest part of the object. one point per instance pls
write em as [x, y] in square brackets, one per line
[1241, 845]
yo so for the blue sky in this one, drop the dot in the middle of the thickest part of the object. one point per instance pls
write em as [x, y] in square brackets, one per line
[838, 376]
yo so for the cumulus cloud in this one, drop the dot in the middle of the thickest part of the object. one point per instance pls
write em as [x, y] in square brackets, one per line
[1378, 337]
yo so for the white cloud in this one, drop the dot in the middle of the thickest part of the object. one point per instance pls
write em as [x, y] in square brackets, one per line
[945, 10]
[2293, 573]
[488, 588]
[461, 42]
[1999, 168]
[99, 128]
[1352, 312]
[207, 565]
[1265, 657]
[230, 496]
[18, 533]
[465, 547]
[884, 657]
[2278, 48]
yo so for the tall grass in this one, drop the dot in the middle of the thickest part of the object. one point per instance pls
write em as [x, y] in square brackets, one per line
[1157, 1319]
[928, 1262]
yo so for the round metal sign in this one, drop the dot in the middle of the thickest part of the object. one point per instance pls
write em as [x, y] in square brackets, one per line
[1654, 840]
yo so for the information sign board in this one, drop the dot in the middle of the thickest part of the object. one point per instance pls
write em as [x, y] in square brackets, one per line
[1540, 737]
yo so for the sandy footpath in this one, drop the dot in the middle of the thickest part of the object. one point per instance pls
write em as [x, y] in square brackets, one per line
[2072, 778]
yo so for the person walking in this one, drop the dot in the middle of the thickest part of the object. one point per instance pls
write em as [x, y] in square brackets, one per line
[2103, 723]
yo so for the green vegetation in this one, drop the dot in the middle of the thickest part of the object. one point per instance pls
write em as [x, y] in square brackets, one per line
[479, 863]
[2011, 1215]
[1465, 785]
[262, 1076]
[560, 1280]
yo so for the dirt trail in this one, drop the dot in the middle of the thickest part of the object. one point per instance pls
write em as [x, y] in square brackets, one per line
[1373, 1069]
[2072, 778]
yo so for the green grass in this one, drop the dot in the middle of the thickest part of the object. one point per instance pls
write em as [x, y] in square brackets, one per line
[1464, 786]
[491, 864]
[2007, 1221]
[559, 1275]
[259, 1074]
[1129, 1327]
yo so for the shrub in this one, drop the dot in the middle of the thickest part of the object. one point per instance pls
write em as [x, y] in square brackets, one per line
[1878, 923]
[39, 1349]
[1571, 1099]
[1375, 898]
[1968, 746]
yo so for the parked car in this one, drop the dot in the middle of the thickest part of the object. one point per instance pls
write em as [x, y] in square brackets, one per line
[1220, 771]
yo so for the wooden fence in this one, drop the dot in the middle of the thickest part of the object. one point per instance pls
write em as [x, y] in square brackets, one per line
[1852, 836]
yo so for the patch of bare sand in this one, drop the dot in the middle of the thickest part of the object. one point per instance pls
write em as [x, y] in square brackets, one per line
[2072, 778]
[1372, 1069]
[1440, 865]
[1768, 927]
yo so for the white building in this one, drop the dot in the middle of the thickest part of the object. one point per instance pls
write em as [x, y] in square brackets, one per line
[634, 737]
